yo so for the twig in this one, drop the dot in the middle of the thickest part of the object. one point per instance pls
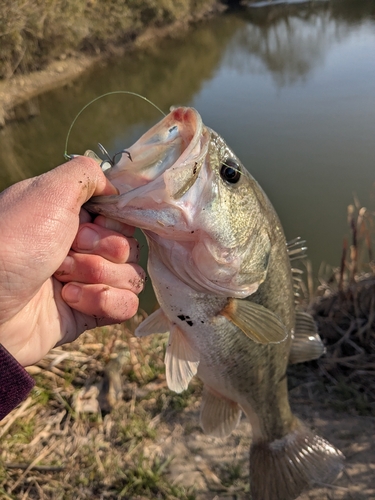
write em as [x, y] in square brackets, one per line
[38, 468]
[46, 451]
[21, 410]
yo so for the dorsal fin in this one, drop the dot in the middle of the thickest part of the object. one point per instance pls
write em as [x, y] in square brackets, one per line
[296, 249]
[306, 344]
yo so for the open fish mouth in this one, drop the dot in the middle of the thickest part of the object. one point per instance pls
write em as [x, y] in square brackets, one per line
[167, 157]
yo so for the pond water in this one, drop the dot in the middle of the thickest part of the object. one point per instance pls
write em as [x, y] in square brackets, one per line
[291, 88]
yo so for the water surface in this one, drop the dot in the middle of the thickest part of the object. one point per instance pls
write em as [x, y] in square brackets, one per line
[290, 88]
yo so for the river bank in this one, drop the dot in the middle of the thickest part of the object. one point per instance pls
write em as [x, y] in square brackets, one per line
[19, 87]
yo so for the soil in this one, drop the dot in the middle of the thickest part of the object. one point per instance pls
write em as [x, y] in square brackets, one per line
[201, 461]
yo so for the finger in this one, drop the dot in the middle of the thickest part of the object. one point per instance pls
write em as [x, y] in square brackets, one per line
[101, 301]
[93, 269]
[75, 182]
[84, 216]
[111, 245]
[114, 225]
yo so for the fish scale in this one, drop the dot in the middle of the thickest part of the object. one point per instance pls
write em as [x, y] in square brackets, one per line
[219, 264]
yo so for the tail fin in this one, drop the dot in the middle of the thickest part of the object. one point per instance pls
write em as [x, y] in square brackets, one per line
[282, 469]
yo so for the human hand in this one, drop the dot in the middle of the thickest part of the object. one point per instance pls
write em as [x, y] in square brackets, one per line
[61, 274]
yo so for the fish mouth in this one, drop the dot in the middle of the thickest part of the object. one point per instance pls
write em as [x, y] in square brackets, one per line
[168, 156]
[156, 175]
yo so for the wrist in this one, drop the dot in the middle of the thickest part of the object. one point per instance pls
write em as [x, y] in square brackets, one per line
[15, 382]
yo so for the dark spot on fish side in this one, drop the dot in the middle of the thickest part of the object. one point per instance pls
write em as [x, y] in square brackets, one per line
[195, 168]
[182, 317]
[202, 321]
[80, 182]
[192, 232]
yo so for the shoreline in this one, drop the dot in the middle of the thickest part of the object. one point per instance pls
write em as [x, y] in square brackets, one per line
[17, 91]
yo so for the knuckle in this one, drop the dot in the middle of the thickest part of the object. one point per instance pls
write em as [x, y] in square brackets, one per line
[97, 270]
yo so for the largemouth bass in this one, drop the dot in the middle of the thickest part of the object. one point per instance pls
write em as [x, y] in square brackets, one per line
[219, 264]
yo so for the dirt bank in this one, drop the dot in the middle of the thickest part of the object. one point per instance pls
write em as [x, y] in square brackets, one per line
[18, 89]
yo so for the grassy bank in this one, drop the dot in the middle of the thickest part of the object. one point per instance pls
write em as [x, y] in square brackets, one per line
[46, 44]
[33, 32]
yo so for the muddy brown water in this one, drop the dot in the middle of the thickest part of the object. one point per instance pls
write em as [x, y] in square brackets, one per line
[291, 88]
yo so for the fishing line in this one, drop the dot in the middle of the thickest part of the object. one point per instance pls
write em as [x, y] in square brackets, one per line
[66, 155]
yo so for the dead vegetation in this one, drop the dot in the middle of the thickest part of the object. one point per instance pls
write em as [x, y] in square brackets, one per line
[344, 308]
[84, 434]
[33, 33]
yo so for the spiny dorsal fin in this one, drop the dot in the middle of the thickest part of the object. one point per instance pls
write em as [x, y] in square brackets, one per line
[157, 322]
[219, 416]
[181, 361]
[306, 344]
[296, 249]
[258, 323]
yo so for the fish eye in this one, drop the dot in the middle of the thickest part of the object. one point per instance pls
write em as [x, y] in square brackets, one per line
[230, 171]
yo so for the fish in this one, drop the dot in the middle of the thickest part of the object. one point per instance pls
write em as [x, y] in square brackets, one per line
[222, 274]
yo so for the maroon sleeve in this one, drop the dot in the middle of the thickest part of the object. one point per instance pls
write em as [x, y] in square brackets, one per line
[15, 382]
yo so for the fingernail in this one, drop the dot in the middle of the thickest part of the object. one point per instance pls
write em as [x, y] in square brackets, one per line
[87, 239]
[72, 293]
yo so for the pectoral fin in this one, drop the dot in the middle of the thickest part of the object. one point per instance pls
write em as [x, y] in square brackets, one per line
[219, 416]
[258, 323]
[181, 361]
[157, 322]
[307, 344]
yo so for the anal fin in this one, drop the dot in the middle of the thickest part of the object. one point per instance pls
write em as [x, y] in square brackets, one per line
[219, 416]
[181, 361]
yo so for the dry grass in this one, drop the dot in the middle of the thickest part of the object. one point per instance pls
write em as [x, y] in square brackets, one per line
[344, 308]
[34, 32]
[79, 435]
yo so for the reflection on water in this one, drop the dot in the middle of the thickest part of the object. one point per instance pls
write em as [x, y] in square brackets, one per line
[290, 87]
[289, 45]
[290, 41]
